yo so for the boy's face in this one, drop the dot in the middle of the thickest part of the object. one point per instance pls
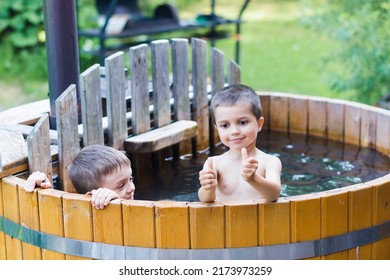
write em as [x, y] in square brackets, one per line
[237, 126]
[120, 181]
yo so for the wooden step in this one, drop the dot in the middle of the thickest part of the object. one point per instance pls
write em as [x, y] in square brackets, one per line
[161, 137]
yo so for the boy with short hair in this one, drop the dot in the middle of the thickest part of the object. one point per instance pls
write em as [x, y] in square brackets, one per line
[100, 171]
[243, 172]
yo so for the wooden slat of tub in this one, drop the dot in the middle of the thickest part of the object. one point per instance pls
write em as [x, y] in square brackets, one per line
[360, 217]
[335, 121]
[51, 218]
[242, 222]
[279, 112]
[29, 217]
[305, 218]
[352, 124]
[200, 100]
[381, 211]
[138, 223]
[317, 117]
[368, 127]
[207, 225]
[172, 225]
[298, 115]
[265, 105]
[107, 223]
[274, 223]
[334, 219]
[77, 214]
[3, 255]
[383, 132]
[11, 212]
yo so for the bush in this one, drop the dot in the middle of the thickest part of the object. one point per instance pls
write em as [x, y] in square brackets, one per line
[362, 27]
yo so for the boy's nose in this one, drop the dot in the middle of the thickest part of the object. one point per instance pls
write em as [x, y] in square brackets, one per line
[235, 129]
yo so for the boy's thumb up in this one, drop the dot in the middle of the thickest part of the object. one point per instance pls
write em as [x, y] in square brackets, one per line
[244, 154]
[209, 163]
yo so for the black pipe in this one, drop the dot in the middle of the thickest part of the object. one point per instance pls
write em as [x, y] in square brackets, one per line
[61, 49]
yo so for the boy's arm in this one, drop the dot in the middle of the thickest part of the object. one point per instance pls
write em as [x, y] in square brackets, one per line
[208, 182]
[101, 197]
[39, 179]
[269, 186]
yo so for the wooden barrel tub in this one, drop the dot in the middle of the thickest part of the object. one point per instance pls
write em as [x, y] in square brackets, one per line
[352, 222]
[348, 223]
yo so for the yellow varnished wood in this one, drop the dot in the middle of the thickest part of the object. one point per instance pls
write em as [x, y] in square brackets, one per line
[381, 211]
[360, 217]
[11, 212]
[107, 224]
[279, 112]
[317, 117]
[29, 217]
[274, 222]
[383, 133]
[51, 219]
[334, 218]
[172, 225]
[77, 213]
[298, 118]
[241, 224]
[138, 223]
[352, 125]
[368, 127]
[305, 218]
[207, 225]
[335, 121]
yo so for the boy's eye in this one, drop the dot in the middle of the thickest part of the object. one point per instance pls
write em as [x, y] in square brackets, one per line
[224, 125]
[243, 122]
[131, 179]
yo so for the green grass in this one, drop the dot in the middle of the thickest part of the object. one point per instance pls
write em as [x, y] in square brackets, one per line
[277, 53]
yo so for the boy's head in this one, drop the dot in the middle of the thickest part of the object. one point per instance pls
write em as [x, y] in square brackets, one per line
[93, 164]
[235, 95]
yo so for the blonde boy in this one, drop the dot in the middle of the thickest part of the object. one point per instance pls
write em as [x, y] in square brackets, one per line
[100, 171]
[243, 172]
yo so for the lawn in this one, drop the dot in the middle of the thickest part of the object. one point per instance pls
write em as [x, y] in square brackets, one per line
[277, 53]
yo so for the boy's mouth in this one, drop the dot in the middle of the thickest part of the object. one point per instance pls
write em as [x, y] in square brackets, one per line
[237, 140]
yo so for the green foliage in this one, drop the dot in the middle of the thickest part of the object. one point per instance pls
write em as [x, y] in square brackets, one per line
[362, 27]
[20, 22]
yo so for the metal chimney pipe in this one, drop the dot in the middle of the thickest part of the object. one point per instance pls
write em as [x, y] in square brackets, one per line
[61, 49]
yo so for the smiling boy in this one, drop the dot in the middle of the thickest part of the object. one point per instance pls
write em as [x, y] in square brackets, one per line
[243, 172]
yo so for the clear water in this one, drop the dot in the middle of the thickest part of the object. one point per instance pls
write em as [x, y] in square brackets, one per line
[309, 166]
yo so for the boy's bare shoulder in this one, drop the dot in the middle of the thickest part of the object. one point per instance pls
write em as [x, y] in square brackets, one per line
[268, 157]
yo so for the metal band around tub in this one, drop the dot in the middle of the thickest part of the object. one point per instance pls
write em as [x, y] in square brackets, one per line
[94, 250]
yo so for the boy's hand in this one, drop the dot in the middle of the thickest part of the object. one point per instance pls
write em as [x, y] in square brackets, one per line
[249, 165]
[101, 197]
[208, 176]
[37, 179]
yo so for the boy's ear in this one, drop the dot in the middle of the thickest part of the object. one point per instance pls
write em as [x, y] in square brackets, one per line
[260, 123]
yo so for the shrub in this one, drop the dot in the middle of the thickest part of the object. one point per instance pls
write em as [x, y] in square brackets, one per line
[362, 27]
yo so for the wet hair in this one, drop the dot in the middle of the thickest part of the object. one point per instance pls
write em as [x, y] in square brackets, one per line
[237, 94]
[92, 163]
